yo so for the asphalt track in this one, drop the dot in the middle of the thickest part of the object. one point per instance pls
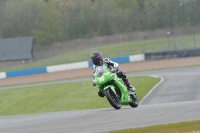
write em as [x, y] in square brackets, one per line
[175, 99]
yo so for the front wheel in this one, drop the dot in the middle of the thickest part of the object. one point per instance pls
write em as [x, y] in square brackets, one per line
[135, 101]
[113, 99]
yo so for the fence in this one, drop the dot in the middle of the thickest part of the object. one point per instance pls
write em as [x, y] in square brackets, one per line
[43, 52]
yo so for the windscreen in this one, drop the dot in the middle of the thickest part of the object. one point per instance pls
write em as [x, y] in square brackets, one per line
[99, 70]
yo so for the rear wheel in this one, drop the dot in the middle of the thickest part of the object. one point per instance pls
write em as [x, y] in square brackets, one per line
[135, 101]
[113, 99]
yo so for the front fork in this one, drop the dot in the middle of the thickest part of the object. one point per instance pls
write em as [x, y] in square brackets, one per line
[111, 87]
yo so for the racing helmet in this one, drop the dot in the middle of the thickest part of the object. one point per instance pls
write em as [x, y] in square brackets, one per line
[96, 58]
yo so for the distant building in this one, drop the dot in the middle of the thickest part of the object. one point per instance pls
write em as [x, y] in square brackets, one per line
[16, 49]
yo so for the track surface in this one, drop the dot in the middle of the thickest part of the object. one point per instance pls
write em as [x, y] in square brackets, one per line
[176, 99]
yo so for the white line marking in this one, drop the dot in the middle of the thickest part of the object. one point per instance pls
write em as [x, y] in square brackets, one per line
[152, 88]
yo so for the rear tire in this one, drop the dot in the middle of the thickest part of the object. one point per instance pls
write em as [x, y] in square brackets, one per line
[135, 101]
[112, 99]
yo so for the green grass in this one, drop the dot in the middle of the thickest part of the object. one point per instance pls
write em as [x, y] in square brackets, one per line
[182, 127]
[62, 97]
[111, 51]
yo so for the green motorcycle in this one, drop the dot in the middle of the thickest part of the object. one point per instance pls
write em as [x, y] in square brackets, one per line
[114, 88]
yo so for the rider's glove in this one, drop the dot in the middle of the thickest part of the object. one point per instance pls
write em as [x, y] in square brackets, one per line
[113, 70]
[93, 83]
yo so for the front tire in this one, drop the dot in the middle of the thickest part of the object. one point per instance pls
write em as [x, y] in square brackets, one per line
[113, 99]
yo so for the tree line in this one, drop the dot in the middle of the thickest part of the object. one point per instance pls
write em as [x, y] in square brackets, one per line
[60, 20]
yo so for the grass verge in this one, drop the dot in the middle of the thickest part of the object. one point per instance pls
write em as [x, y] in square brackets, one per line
[62, 97]
[182, 127]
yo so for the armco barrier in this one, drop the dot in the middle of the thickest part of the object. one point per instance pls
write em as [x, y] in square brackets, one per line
[171, 54]
[2, 75]
[26, 72]
[63, 67]
[70, 66]
[118, 60]
[134, 58]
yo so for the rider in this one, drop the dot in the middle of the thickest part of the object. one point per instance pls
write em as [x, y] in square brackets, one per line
[98, 60]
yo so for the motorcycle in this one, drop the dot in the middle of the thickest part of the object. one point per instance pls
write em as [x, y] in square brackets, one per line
[114, 88]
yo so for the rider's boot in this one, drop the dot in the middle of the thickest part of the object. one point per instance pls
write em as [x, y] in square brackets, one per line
[130, 88]
[128, 85]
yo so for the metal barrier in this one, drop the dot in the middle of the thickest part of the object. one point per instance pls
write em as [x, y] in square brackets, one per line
[172, 54]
